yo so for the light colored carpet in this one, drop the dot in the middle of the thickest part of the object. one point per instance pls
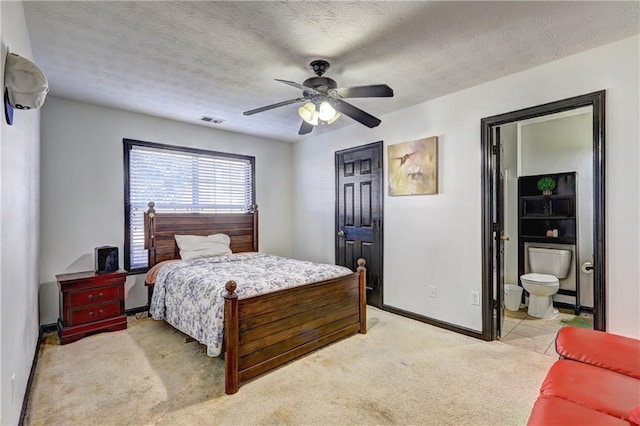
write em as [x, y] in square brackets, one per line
[401, 372]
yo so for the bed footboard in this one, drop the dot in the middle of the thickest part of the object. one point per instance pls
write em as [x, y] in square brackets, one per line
[266, 331]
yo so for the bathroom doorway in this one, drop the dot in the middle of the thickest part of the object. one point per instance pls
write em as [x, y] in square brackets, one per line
[500, 226]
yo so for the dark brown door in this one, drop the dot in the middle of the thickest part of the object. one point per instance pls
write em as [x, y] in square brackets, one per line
[499, 238]
[359, 213]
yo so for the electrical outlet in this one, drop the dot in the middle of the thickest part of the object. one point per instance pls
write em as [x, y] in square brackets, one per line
[475, 298]
[432, 291]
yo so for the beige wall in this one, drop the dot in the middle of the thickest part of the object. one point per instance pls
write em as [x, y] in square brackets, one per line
[19, 237]
[436, 239]
[83, 189]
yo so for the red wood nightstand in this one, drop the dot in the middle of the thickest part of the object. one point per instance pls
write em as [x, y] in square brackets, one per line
[90, 303]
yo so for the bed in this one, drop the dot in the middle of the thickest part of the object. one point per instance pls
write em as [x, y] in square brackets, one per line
[265, 331]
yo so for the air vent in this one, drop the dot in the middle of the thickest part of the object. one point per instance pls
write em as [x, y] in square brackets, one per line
[211, 120]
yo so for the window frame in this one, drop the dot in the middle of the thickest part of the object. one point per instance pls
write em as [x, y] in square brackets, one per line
[128, 144]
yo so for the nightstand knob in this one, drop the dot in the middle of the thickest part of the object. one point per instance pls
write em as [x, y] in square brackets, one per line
[101, 312]
[100, 295]
[90, 296]
[90, 314]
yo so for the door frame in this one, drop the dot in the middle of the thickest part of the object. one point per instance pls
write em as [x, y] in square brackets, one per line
[498, 237]
[380, 226]
[597, 101]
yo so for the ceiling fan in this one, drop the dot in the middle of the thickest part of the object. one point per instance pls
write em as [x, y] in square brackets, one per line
[324, 100]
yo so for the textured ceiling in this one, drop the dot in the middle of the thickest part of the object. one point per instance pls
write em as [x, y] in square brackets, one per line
[182, 60]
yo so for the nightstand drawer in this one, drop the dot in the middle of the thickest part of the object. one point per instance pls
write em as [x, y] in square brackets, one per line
[93, 296]
[94, 313]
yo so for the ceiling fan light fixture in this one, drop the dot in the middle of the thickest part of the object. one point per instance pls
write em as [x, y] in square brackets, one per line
[335, 117]
[309, 113]
[326, 112]
[321, 95]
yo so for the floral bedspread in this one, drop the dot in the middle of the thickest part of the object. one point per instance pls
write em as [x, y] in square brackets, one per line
[189, 294]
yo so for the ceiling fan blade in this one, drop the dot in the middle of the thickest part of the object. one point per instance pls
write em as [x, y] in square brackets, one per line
[355, 113]
[298, 86]
[372, 91]
[279, 104]
[305, 128]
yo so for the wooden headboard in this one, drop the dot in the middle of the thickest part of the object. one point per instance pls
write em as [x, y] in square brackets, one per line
[160, 229]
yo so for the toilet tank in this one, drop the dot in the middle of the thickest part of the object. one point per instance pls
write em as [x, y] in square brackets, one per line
[550, 261]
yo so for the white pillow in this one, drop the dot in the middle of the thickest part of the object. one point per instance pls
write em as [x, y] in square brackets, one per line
[196, 246]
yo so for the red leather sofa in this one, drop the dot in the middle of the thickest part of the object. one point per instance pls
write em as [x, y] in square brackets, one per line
[596, 381]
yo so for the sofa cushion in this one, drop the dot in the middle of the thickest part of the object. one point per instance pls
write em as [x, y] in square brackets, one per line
[549, 410]
[634, 416]
[603, 390]
[610, 351]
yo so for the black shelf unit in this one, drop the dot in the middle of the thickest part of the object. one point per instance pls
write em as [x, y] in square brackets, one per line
[538, 214]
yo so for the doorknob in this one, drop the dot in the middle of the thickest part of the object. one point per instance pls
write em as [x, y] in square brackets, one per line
[341, 233]
[505, 238]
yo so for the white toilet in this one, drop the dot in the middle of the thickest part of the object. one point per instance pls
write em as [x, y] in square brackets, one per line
[547, 267]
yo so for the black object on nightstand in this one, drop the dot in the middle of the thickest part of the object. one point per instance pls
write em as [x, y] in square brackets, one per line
[90, 303]
[106, 259]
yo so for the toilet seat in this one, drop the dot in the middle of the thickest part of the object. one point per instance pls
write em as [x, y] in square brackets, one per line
[540, 279]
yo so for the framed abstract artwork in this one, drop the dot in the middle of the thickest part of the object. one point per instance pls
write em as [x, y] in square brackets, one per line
[413, 167]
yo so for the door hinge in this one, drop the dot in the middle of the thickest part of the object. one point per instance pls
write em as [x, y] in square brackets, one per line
[495, 227]
[495, 304]
[494, 149]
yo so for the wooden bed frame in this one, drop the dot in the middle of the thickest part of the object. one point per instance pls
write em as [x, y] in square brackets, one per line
[263, 332]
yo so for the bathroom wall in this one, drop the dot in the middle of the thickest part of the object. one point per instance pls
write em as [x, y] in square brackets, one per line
[565, 144]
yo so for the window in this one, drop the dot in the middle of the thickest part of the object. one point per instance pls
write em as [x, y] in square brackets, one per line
[179, 180]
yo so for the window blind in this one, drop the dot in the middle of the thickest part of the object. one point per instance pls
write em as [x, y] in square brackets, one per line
[180, 180]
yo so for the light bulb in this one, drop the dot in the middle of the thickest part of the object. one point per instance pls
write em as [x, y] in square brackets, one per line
[314, 119]
[327, 113]
[308, 113]
[335, 117]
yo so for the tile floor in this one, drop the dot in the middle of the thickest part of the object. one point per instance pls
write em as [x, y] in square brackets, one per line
[535, 334]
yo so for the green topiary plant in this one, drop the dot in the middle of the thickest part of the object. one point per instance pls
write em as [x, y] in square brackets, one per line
[546, 184]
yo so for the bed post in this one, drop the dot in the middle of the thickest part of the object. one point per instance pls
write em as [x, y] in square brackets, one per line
[150, 245]
[363, 295]
[231, 339]
[254, 209]
[150, 240]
